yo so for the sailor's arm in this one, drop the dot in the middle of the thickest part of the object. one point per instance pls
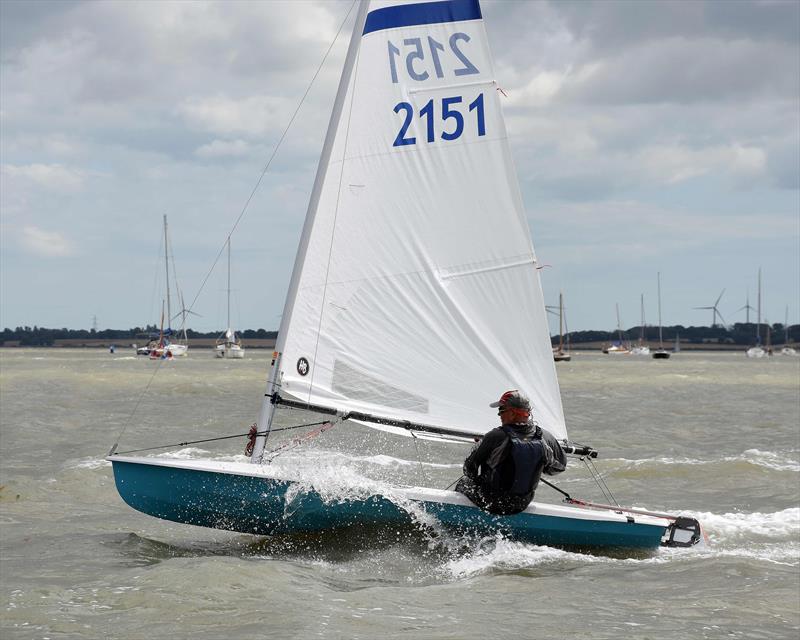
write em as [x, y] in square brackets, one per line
[480, 454]
[556, 459]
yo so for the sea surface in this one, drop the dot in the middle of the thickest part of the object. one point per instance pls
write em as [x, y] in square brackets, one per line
[715, 436]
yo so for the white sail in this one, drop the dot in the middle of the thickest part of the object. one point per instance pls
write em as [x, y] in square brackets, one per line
[415, 294]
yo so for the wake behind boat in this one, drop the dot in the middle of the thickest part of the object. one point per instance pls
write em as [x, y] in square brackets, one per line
[397, 313]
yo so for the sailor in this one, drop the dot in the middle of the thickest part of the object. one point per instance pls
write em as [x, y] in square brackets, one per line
[502, 471]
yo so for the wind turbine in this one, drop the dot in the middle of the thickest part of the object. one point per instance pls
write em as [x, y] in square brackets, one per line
[183, 313]
[715, 311]
[747, 307]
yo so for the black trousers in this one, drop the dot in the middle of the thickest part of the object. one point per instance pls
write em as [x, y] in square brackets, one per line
[497, 503]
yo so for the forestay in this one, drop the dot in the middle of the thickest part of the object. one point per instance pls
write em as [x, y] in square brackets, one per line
[415, 293]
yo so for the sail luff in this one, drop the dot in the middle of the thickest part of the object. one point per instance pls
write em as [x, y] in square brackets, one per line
[322, 168]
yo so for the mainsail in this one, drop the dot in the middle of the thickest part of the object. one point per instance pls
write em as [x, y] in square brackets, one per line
[415, 294]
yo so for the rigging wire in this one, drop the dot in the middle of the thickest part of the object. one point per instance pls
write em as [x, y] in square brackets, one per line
[135, 407]
[295, 442]
[598, 478]
[269, 161]
[419, 458]
[236, 435]
[336, 208]
[241, 215]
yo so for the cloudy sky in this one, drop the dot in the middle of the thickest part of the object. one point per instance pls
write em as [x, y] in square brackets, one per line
[648, 136]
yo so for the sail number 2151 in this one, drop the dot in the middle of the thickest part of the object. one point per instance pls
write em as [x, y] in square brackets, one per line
[448, 112]
[415, 53]
[421, 62]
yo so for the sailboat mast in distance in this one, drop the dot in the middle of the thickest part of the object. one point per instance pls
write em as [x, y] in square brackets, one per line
[661, 353]
[166, 267]
[757, 351]
[229, 345]
[660, 335]
[758, 321]
[229, 283]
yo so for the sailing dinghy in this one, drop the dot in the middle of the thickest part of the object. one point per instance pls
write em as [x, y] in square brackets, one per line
[410, 306]
[228, 344]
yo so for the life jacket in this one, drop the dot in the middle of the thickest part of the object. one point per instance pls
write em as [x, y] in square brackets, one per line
[516, 465]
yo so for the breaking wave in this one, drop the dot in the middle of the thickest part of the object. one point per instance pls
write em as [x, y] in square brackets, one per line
[767, 459]
[736, 527]
[762, 537]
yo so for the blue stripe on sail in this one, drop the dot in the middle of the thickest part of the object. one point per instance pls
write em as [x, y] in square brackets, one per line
[409, 15]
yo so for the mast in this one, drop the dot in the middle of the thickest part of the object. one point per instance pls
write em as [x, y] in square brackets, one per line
[166, 267]
[758, 323]
[161, 327]
[267, 407]
[560, 322]
[747, 307]
[769, 336]
[660, 338]
[641, 332]
[619, 324]
[786, 328]
[229, 282]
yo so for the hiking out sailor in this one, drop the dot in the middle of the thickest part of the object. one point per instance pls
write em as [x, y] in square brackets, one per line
[502, 471]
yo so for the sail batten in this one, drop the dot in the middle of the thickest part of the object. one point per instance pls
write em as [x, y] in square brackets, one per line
[415, 295]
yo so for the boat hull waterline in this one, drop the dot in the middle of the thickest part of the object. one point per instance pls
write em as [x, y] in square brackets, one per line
[245, 498]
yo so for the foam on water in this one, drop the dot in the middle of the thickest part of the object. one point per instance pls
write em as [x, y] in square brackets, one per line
[316, 455]
[767, 459]
[766, 526]
[385, 460]
[93, 463]
[501, 554]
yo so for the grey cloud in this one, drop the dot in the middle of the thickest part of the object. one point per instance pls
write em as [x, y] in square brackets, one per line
[611, 25]
[21, 21]
[680, 70]
[651, 52]
[783, 162]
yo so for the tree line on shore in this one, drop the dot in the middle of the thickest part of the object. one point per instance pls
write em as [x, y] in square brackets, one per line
[741, 333]
[44, 337]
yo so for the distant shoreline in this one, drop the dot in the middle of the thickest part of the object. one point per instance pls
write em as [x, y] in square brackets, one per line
[269, 343]
[104, 343]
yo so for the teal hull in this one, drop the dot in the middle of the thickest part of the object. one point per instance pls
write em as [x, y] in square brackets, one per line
[267, 506]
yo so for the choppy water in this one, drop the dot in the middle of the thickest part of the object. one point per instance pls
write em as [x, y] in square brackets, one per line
[712, 435]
